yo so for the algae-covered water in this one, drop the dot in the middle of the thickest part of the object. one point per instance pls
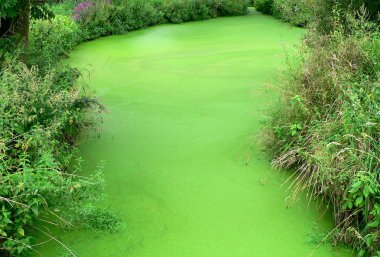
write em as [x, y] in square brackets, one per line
[180, 141]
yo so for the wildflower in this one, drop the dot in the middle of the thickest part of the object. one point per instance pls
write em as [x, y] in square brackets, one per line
[82, 11]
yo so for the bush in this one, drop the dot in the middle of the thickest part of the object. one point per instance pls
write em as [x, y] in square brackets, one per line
[40, 118]
[184, 11]
[232, 8]
[50, 40]
[296, 12]
[64, 7]
[326, 129]
[326, 10]
[264, 6]
[9, 51]
[103, 19]
[373, 7]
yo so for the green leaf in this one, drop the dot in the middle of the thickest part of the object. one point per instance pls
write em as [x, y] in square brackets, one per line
[359, 200]
[366, 191]
[3, 233]
[356, 184]
[373, 224]
[21, 231]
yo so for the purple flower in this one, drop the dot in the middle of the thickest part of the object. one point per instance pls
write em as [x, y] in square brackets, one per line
[82, 10]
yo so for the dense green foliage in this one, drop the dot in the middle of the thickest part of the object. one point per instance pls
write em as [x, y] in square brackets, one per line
[103, 20]
[8, 8]
[325, 127]
[296, 12]
[51, 40]
[326, 11]
[264, 6]
[301, 13]
[40, 118]
[372, 7]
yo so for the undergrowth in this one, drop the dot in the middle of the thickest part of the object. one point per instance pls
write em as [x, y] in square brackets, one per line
[99, 219]
[326, 126]
[41, 117]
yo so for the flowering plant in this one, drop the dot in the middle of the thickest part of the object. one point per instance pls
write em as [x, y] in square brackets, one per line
[82, 11]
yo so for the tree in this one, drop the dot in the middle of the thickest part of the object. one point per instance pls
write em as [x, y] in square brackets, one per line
[15, 17]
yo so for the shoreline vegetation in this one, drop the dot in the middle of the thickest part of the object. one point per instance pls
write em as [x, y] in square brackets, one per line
[325, 126]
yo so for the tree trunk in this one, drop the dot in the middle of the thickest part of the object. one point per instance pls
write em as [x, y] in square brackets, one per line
[22, 22]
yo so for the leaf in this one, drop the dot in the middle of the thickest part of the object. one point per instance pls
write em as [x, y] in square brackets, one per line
[3, 233]
[21, 231]
[373, 224]
[366, 191]
[356, 184]
[359, 200]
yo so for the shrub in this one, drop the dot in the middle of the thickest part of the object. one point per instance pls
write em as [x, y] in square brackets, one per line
[104, 19]
[139, 15]
[232, 8]
[297, 12]
[107, 19]
[64, 7]
[325, 127]
[40, 118]
[50, 40]
[82, 11]
[326, 11]
[264, 6]
[183, 11]
[373, 7]
[9, 51]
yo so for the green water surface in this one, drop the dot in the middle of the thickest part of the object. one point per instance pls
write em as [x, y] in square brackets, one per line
[180, 141]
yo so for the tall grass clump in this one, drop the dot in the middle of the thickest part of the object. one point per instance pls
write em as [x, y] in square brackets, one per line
[326, 126]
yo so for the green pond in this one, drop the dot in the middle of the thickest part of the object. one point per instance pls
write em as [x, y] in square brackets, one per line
[180, 141]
